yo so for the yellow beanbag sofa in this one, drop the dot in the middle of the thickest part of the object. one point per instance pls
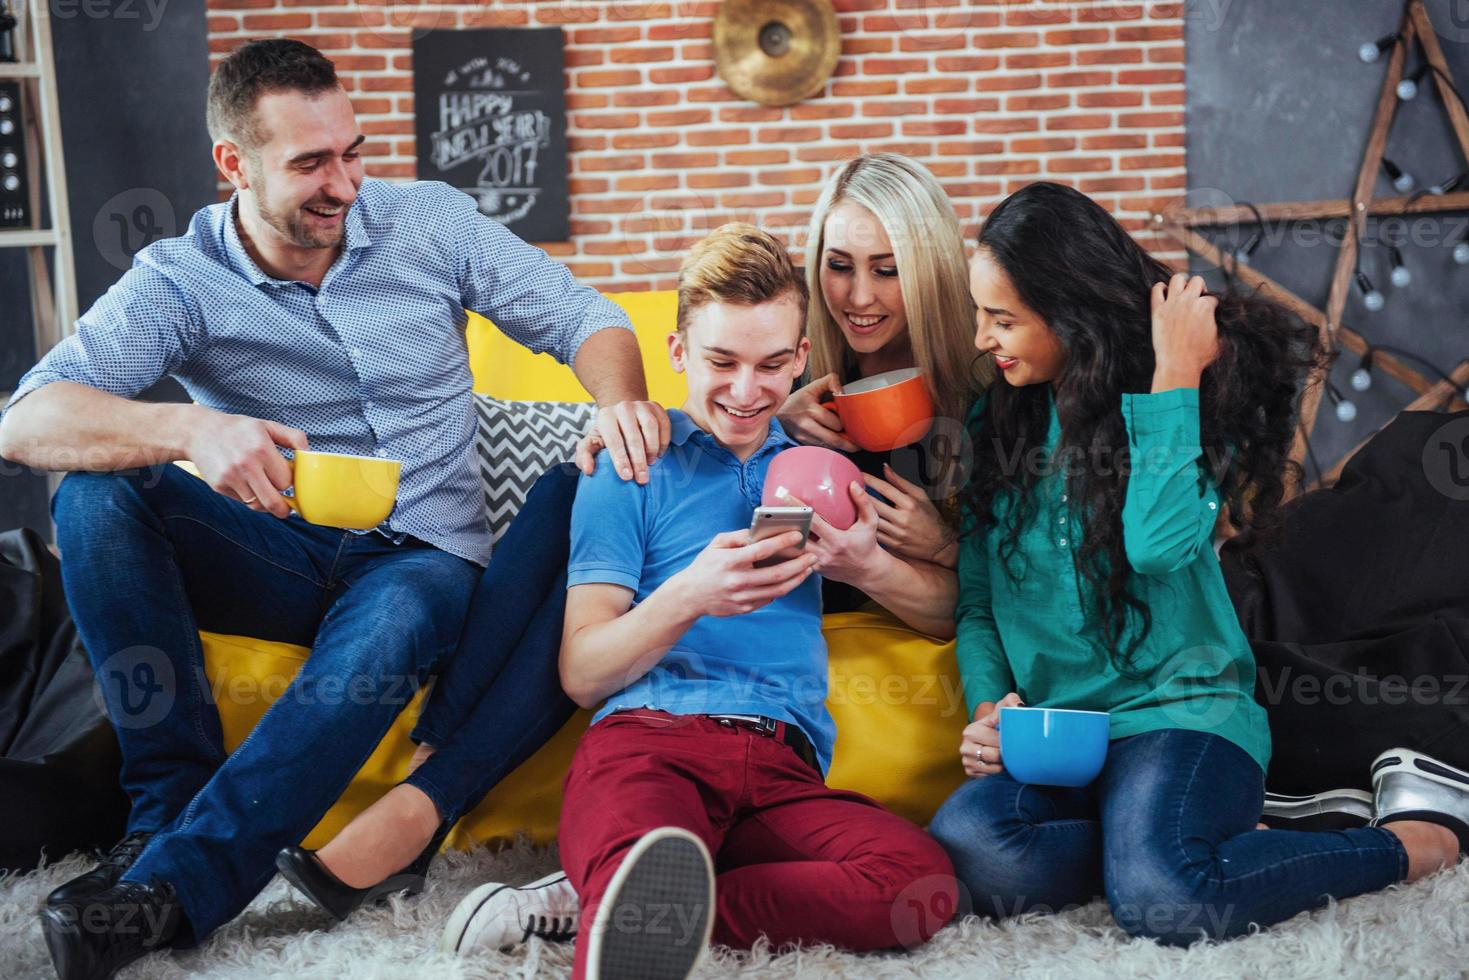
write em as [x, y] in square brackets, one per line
[894, 693]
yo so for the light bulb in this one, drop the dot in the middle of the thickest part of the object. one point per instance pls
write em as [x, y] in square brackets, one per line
[1247, 248]
[1345, 411]
[1452, 184]
[1402, 181]
[1373, 50]
[1461, 253]
[1400, 276]
[1371, 298]
[1408, 87]
[1361, 379]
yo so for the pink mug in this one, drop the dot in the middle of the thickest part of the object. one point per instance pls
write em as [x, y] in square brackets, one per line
[816, 476]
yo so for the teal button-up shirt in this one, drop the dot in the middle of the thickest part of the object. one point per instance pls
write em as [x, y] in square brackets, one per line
[1194, 670]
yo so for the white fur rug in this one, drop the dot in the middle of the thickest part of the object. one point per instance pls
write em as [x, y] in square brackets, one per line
[1419, 930]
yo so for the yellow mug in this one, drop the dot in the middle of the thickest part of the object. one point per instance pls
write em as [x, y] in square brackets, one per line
[341, 490]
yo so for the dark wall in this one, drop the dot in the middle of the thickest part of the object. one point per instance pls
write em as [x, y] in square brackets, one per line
[1279, 108]
[132, 92]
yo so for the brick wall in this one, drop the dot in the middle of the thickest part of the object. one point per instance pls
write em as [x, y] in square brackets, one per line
[989, 95]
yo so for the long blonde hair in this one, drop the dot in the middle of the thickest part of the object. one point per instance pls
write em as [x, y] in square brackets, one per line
[928, 249]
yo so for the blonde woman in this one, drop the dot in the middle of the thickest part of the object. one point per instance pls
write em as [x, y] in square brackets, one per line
[886, 268]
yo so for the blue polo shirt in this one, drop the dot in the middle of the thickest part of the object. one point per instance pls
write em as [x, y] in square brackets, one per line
[769, 662]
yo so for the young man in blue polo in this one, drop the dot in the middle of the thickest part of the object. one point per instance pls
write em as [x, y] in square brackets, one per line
[714, 736]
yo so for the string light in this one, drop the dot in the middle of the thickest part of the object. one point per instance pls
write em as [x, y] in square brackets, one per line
[1400, 276]
[1461, 250]
[1371, 298]
[1447, 186]
[1243, 252]
[1408, 87]
[1362, 377]
[1402, 181]
[1346, 410]
[1372, 50]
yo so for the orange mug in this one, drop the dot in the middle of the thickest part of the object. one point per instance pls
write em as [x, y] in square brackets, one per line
[885, 411]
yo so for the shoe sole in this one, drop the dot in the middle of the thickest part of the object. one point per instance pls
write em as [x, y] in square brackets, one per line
[463, 915]
[656, 917]
[1344, 809]
[1400, 765]
[406, 884]
[57, 928]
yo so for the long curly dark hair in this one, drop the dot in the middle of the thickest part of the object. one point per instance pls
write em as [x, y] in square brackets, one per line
[1080, 271]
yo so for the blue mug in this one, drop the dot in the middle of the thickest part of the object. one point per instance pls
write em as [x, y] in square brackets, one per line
[1053, 746]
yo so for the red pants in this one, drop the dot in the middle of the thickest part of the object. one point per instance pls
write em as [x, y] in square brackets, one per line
[796, 861]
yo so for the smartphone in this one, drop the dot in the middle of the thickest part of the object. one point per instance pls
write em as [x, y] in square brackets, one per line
[771, 521]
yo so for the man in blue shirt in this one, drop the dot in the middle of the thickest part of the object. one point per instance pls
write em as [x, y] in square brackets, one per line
[714, 736]
[317, 302]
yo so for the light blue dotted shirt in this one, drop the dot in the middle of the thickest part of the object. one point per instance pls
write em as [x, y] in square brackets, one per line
[374, 362]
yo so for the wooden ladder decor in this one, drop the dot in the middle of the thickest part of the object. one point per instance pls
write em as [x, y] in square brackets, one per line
[1183, 223]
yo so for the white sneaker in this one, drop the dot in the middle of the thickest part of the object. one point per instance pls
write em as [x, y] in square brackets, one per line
[655, 919]
[497, 916]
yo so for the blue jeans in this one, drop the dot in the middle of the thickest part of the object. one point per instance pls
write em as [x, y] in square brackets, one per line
[152, 557]
[500, 698]
[1166, 833]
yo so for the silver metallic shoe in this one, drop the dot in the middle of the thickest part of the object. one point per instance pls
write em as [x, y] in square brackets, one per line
[1409, 785]
[1336, 809]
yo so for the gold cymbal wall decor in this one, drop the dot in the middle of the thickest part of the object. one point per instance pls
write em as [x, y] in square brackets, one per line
[776, 52]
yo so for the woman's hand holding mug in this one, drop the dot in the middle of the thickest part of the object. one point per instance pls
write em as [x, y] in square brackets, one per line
[980, 748]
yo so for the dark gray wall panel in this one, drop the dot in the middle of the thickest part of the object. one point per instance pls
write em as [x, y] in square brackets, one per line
[132, 106]
[1279, 108]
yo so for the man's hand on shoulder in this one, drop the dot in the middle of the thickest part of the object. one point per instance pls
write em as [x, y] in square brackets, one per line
[237, 456]
[636, 433]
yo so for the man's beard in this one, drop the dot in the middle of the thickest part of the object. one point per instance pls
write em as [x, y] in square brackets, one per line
[295, 227]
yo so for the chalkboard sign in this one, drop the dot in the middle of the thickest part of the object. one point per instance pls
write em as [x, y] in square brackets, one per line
[491, 121]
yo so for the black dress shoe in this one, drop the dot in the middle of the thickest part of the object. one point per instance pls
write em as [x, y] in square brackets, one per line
[104, 932]
[106, 874]
[338, 899]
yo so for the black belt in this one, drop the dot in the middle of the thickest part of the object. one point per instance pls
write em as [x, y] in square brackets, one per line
[785, 732]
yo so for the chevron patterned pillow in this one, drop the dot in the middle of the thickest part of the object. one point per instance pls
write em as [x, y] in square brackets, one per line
[517, 442]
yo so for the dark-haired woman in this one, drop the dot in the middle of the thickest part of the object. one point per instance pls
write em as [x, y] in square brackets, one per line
[1131, 408]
